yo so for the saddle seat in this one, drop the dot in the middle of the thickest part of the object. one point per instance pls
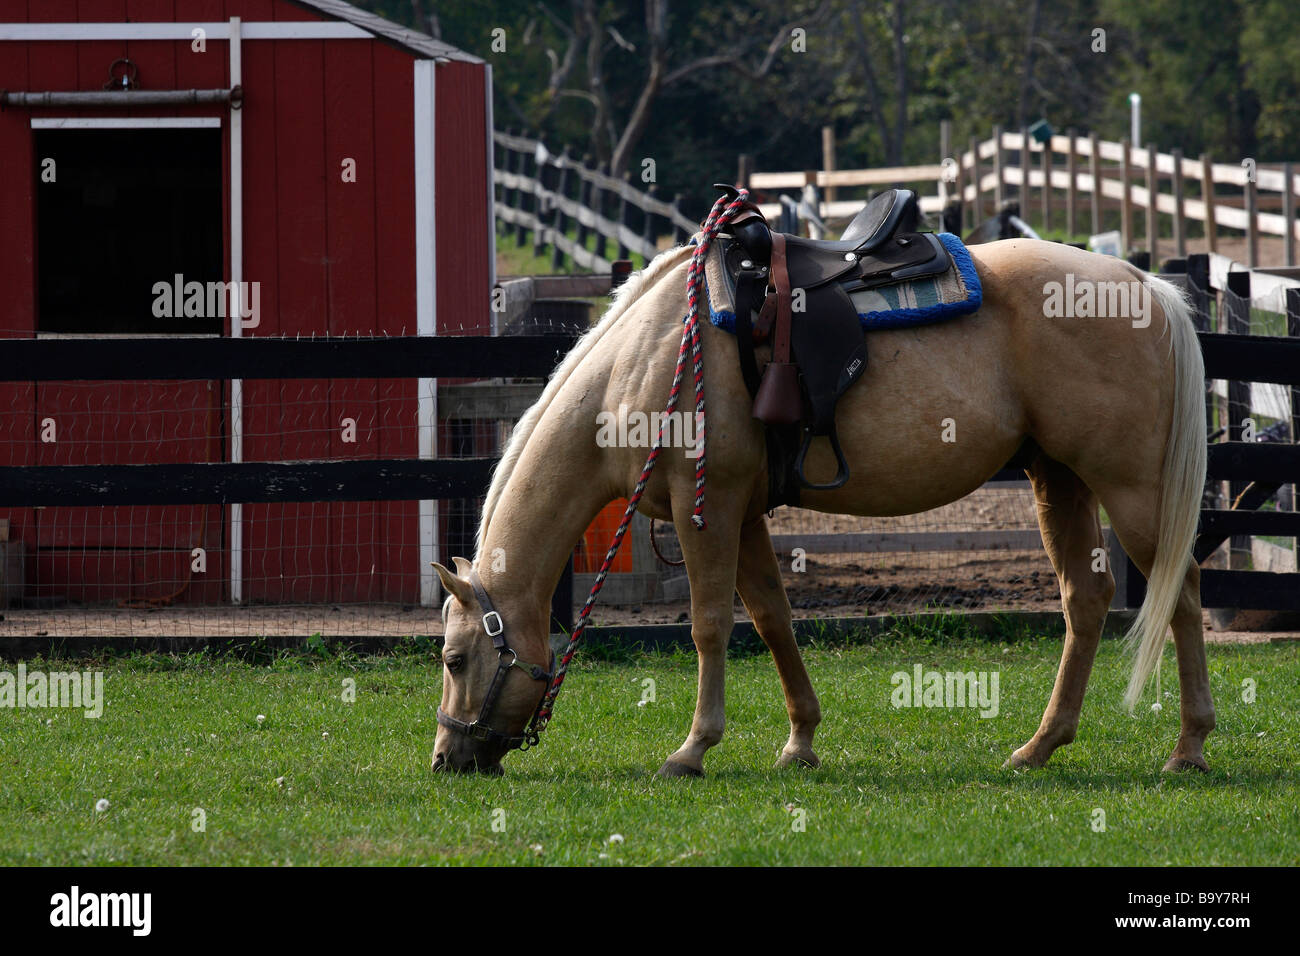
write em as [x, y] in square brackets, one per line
[796, 294]
[894, 210]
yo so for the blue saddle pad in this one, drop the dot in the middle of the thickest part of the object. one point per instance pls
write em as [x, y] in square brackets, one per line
[902, 305]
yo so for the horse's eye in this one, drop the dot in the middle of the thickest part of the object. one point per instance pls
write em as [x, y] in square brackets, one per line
[454, 663]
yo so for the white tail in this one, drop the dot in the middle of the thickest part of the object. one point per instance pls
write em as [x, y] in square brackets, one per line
[1182, 482]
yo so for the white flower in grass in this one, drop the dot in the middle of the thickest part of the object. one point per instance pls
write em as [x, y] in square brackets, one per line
[279, 781]
[325, 733]
[261, 717]
[1156, 707]
[101, 805]
[616, 838]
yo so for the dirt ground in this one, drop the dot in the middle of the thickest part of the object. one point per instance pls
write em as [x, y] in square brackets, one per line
[833, 585]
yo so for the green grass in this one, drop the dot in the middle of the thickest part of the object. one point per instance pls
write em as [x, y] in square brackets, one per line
[516, 260]
[906, 786]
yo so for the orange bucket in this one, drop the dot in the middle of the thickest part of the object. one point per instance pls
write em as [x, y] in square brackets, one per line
[595, 542]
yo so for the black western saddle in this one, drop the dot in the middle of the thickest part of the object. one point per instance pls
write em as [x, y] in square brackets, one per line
[796, 295]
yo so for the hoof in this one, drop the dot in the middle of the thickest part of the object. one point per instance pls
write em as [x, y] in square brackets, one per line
[802, 758]
[1022, 760]
[1177, 763]
[672, 768]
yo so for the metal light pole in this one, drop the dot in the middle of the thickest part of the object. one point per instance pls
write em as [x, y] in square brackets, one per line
[1135, 118]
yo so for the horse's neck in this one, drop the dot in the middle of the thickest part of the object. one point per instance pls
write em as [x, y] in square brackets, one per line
[563, 478]
[557, 487]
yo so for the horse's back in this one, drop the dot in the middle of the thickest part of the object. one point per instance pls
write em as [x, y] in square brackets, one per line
[942, 407]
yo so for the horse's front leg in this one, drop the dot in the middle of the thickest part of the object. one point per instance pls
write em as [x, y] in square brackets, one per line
[711, 557]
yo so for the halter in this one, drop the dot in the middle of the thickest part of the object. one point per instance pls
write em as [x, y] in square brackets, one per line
[506, 659]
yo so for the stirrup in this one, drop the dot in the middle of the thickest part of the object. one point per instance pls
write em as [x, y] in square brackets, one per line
[841, 466]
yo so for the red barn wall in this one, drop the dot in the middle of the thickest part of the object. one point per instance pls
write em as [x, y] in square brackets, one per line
[331, 257]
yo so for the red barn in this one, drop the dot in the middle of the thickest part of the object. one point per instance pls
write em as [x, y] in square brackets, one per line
[338, 167]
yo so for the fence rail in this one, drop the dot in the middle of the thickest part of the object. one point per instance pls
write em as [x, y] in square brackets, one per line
[1083, 176]
[547, 194]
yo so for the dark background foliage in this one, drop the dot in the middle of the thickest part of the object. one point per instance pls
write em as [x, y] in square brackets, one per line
[691, 85]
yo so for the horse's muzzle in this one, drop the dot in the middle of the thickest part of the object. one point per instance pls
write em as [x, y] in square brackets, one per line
[442, 763]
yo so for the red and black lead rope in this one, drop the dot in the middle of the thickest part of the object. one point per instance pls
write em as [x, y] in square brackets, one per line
[719, 216]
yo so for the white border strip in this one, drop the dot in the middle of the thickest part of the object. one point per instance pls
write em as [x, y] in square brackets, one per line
[236, 320]
[285, 30]
[426, 309]
[491, 189]
[128, 122]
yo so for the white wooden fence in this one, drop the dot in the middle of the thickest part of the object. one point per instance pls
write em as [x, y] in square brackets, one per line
[1083, 177]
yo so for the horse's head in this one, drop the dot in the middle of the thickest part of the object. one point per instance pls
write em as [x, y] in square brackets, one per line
[489, 693]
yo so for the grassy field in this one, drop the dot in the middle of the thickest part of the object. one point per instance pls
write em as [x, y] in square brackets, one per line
[323, 781]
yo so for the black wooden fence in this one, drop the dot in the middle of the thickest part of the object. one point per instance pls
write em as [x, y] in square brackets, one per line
[1255, 470]
[1253, 467]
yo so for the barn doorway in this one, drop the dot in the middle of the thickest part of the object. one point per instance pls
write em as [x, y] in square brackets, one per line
[117, 212]
[123, 204]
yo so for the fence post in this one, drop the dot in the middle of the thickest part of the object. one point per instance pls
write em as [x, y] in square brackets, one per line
[1026, 161]
[539, 205]
[1293, 330]
[998, 174]
[828, 159]
[1094, 168]
[744, 166]
[1153, 214]
[1288, 215]
[584, 198]
[1047, 185]
[622, 213]
[562, 601]
[1180, 224]
[599, 200]
[945, 152]
[1237, 308]
[1126, 201]
[1198, 285]
[561, 221]
[680, 235]
[1071, 194]
[976, 203]
[959, 185]
[647, 221]
[520, 197]
[1252, 224]
[1207, 193]
[508, 193]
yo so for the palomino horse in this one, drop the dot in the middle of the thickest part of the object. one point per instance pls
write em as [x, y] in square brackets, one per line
[1114, 408]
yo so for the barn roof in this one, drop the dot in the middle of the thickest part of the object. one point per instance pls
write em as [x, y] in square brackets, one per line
[410, 40]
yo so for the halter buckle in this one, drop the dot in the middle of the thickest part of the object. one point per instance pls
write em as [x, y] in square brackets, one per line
[491, 618]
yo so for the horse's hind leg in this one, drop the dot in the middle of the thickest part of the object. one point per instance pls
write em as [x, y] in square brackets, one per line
[1071, 529]
[1130, 515]
[759, 582]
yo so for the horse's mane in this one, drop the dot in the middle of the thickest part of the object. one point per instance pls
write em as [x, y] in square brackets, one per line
[636, 285]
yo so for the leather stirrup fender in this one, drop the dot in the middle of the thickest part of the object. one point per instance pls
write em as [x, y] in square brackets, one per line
[779, 400]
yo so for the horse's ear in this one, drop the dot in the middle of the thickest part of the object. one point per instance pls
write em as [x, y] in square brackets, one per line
[457, 587]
